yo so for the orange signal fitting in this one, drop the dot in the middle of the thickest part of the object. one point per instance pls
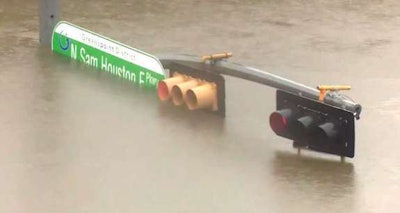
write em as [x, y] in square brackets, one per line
[217, 56]
[324, 88]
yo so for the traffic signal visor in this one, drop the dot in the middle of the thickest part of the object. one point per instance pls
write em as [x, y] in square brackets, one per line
[196, 89]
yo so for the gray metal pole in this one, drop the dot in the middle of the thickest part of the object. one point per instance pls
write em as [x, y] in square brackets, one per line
[263, 77]
[48, 17]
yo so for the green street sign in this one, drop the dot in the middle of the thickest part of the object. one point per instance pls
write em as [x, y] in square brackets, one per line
[106, 54]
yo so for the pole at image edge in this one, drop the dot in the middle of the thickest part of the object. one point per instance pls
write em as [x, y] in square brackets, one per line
[48, 18]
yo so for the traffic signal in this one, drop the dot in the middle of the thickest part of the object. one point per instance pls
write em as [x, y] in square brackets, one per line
[313, 124]
[195, 87]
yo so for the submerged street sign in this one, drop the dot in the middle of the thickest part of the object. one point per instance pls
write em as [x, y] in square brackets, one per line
[106, 54]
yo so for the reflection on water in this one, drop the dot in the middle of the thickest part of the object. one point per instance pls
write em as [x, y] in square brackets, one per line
[197, 122]
[323, 174]
[325, 183]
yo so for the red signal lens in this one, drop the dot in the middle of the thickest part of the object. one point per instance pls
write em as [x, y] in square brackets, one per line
[162, 90]
[278, 122]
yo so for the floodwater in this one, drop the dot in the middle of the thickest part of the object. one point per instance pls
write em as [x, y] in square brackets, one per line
[74, 140]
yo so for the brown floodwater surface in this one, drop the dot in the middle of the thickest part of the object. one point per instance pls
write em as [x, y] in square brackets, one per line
[74, 139]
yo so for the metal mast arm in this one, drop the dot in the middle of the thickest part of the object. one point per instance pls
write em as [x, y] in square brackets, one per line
[262, 77]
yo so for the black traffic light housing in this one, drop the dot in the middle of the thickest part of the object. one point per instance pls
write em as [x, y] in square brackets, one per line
[313, 124]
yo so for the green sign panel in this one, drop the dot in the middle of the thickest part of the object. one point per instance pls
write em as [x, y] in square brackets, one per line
[106, 54]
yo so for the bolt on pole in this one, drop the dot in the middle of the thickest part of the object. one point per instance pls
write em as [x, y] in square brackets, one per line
[48, 18]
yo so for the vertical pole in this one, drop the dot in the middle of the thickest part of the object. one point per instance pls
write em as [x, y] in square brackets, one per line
[48, 17]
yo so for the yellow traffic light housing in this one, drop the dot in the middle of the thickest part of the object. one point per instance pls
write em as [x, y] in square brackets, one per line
[195, 87]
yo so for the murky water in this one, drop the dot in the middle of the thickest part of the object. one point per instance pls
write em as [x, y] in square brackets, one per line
[76, 140]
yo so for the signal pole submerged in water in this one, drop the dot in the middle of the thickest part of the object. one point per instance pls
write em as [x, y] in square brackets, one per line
[48, 17]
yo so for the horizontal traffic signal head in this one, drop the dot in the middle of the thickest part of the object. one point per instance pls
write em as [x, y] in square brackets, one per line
[314, 125]
[164, 86]
[178, 92]
[196, 88]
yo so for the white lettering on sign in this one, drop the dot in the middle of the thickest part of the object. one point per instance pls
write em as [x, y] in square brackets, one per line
[141, 80]
[74, 53]
[89, 59]
[117, 70]
[150, 79]
[111, 47]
